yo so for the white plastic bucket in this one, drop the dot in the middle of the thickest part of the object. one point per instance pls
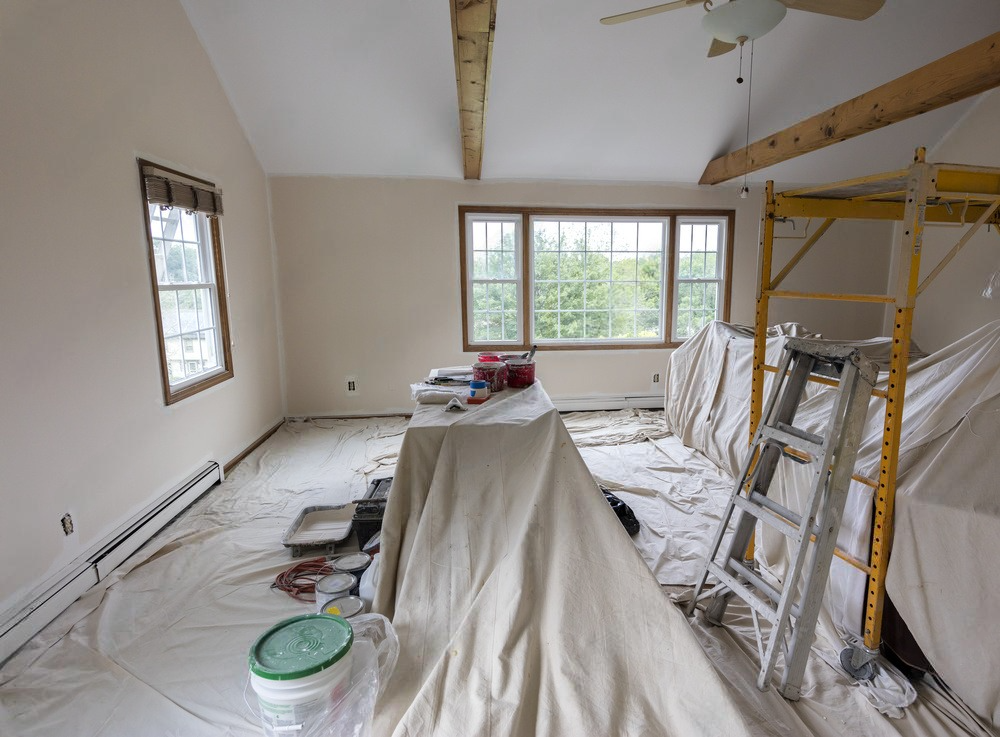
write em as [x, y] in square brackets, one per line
[299, 668]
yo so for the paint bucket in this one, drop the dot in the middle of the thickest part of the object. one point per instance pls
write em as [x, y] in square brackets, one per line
[520, 372]
[495, 373]
[345, 606]
[298, 669]
[333, 587]
[353, 563]
[488, 357]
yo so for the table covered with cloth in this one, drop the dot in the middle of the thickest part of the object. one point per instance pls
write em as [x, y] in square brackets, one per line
[521, 605]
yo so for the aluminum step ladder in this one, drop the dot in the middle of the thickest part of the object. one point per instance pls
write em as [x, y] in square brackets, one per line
[813, 534]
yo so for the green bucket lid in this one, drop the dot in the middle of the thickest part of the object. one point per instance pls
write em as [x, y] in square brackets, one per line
[300, 646]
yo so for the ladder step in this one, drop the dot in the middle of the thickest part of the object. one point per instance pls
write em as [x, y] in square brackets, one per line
[757, 508]
[772, 593]
[800, 439]
[762, 607]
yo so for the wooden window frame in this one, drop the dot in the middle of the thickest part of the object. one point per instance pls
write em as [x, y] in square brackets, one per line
[527, 271]
[172, 395]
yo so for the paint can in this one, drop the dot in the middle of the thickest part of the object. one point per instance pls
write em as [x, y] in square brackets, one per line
[333, 587]
[520, 372]
[298, 668]
[345, 606]
[493, 372]
[353, 563]
[488, 357]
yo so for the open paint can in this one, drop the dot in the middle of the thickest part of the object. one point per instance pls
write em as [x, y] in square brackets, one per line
[353, 563]
[345, 606]
[333, 587]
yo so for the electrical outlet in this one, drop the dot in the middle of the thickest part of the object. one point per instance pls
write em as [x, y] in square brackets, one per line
[67, 524]
[656, 378]
[351, 384]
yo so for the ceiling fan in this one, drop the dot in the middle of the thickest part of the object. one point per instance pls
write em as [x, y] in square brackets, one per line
[738, 21]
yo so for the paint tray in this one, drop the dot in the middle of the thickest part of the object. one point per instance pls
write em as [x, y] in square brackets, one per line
[319, 527]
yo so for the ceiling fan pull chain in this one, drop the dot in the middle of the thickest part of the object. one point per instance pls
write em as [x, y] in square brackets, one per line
[739, 78]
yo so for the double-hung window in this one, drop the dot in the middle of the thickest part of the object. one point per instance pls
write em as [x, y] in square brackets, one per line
[567, 278]
[185, 259]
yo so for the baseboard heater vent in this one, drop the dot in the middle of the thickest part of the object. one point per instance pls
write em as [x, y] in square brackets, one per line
[49, 600]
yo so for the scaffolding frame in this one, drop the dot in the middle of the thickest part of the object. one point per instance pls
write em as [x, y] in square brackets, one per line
[924, 193]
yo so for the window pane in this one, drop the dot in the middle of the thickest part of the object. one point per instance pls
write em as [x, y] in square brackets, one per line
[598, 236]
[649, 266]
[188, 310]
[478, 235]
[650, 236]
[649, 295]
[598, 265]
[209, 355]
[623, 267]
[480, 328]
[597, 295]
[203, 302]
[175, 360]
[508, 240]
[168, 314]
[597, 324]
[571, 325]
[683, 297]
[712, 297]
[161, 262]
[480, 293]
[508, 268]
[546, 265]
[493, 235]
[511, 326]
[546, 295]
[480, 266]
[624, 236]
[572, 236]
[192, 261]
[494, 302]
[175, 263]
[494, 265]
[622, 324]
[648, 324]
[546, 325]
[546, 235]
[623, 296]
[570, 266]
[571, 296]
[495, 322]
[189, 225]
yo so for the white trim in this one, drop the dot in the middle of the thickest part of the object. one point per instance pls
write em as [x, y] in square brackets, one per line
[39, 607]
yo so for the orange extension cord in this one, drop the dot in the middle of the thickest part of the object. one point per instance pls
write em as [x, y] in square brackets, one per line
[299, 581]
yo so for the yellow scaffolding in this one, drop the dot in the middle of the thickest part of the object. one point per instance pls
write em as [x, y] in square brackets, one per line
[923, 193]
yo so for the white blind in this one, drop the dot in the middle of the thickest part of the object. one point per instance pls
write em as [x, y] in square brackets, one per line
[169, 189]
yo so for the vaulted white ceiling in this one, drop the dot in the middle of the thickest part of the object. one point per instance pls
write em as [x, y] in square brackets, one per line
[367, 87]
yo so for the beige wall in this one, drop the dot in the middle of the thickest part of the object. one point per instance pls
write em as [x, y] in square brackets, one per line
[84, 428]
[370, 286]
[953, 305]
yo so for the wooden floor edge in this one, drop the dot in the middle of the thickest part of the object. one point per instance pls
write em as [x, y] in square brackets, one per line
[251, 448]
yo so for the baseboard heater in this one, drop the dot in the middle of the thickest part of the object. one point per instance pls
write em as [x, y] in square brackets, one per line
[608, 402]
[51, 598]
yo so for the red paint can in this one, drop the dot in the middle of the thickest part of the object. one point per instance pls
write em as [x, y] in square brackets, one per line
[493, 372]
[520, 373]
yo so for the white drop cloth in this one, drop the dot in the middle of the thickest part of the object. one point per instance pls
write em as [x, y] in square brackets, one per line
[521, 605]
[947, 512]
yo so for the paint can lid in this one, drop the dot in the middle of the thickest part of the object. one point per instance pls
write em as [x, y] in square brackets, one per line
[352, 562]
[345, 606]
[477, 384]
[336, 583]
[300, 646]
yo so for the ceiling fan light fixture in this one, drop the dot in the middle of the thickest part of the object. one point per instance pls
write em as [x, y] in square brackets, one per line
[743, 18]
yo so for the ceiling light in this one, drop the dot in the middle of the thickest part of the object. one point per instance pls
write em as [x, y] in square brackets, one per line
[743, 19]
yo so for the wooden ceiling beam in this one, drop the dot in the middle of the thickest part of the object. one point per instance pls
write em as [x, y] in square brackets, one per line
[967, 72]
[472, 26]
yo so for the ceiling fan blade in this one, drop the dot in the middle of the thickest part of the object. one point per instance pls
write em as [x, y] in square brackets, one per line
[850, 9]
[718, 48]
[633, 15]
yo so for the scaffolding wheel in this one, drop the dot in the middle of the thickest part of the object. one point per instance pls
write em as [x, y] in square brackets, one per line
[858, 663]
